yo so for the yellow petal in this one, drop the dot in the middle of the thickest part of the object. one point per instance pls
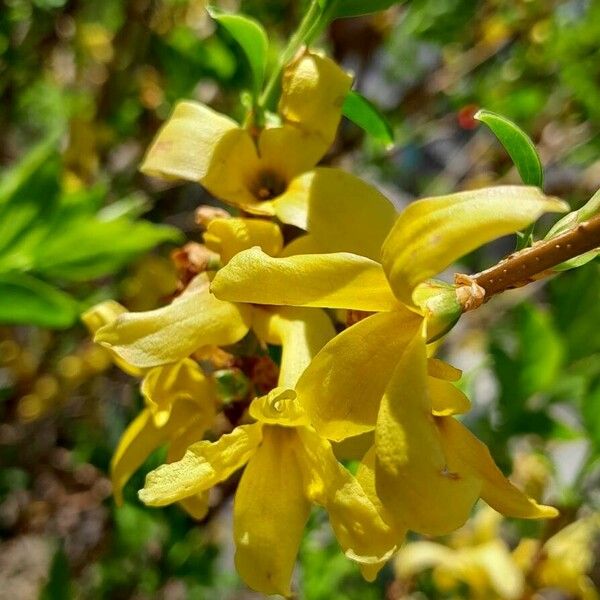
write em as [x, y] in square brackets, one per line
[446, 398]
[361, 532]
[338, 280]
[504, 576]
[341, 212]
[204, 465]
[313, 92]
[196, 506]
[442, 370]
[420, 485]
[199, 144]
[287, 151]
[269, 514]
[163, 386]
[301, 332]
[279, 407]
[192, 320]
[416, 557]
[102, 314]
[227, 237]
[496, 490]
[341, 390]
[142, 437]
[432, 233]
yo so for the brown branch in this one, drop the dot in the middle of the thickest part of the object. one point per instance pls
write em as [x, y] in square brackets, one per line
[529, 264]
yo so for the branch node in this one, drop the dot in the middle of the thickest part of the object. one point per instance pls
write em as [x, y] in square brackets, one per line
[469, 293]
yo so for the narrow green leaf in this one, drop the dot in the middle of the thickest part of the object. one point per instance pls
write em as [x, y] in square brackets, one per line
[367, 116]
[93, 248]
[518, 145]
[253, 40]
[18, 176]
[25, 300]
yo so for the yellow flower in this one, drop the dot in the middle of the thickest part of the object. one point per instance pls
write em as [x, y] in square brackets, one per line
[565, 560]
[288, 467]
[180, 407]
[272, 174]
[480, 559]
[197, 318]
[374, 374]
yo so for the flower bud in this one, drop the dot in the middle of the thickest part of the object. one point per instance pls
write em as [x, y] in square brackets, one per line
[440, 306]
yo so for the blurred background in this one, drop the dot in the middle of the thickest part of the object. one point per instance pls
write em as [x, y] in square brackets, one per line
[84, 87]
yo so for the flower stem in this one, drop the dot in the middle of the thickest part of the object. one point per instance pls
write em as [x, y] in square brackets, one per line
[311, 18]
[528, 265]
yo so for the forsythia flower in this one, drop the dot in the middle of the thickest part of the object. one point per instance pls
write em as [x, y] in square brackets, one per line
[196, 318]
[272, 175]
[288, 467]
[565, 560]
[479, 558]
[374, 374]
[180, 406]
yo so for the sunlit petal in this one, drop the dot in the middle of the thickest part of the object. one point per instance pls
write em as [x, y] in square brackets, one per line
[279, 407]
[361, 532]
[102, 314]
[269, 514]
[142, 437]
[434, 232]
[289, 150]
[204, 465]
[342, 388]
[163, 386]
[341, 212]
[446, 398]
[301, 332]
[165, 335]
[227, 237]
[198, 144]
[413, 473]
[496, 490]
[339, 280]
[313, 92]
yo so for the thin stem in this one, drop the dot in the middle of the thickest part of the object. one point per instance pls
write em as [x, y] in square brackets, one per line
[308, 22]
[529, 264]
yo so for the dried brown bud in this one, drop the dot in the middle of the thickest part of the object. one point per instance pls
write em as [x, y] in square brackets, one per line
[205, 214]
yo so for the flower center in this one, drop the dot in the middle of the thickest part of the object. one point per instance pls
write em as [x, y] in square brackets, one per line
[268, 185]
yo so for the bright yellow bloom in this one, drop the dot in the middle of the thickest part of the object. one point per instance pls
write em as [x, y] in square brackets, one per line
[565, 561]
[180, 408]
[478, 556]
[272, 174]
[197, 318]
[288, 467]
[374, 374]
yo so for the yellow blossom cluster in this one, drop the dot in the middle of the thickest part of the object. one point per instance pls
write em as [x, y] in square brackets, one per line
[311, 244]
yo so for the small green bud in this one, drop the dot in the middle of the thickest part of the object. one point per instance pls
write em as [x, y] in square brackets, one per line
[440, 305]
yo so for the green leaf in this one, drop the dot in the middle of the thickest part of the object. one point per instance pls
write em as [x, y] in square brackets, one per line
[253, 40]
[518, 145]
[21, 174]
[93, 248]
[26, 300]
[28, 196]
[58, 586]
[354, 8]
[367, 116]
